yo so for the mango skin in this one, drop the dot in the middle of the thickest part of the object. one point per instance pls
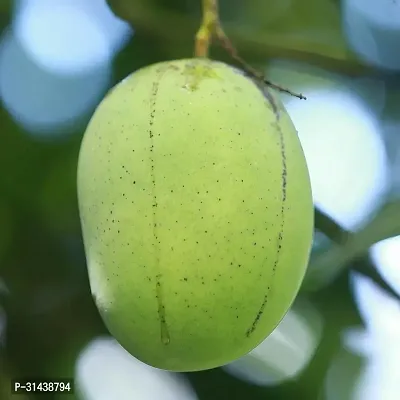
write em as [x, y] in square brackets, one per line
[196, 211]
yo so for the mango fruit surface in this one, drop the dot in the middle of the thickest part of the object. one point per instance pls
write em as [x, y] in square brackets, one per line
[196, 211]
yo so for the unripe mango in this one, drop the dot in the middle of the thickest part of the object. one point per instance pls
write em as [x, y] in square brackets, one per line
[196, 211]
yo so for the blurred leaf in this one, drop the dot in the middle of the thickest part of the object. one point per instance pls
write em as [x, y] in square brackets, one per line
[5, 384]
[20, 161]
[180, 6]
[58, 197]
[391, 110]
[310, 31]
[305, 25]
[141, 50]
[342, 376]
[6, 6]
[6, 228]
[329, 227]
[327, 265]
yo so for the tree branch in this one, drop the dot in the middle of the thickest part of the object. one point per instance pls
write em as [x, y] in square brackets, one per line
[326, 266]
[325, 224]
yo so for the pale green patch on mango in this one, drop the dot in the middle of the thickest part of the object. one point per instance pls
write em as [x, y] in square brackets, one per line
[196, 212]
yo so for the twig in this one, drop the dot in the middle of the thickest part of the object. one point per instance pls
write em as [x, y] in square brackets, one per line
[211, 27]
[330, 228]
[232, 51]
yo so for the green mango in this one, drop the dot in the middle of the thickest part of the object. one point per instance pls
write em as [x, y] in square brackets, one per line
[197, 213]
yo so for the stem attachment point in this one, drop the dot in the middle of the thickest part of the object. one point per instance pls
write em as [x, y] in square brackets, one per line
[210, 28]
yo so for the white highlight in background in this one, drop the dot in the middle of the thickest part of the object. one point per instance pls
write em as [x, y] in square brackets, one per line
[344, 151]
[105, 371]
[44, 103]
[379, 343]
[372, 28]
[386, 256]
[284, 353]
[69, 36]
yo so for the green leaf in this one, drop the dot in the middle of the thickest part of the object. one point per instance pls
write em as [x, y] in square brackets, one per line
[309, 31]
[325, 266]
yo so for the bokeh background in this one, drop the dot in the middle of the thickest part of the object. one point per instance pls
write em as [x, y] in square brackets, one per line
[58, 58]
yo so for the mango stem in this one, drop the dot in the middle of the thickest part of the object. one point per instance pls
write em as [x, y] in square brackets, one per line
[207, 28]
[210, 28]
